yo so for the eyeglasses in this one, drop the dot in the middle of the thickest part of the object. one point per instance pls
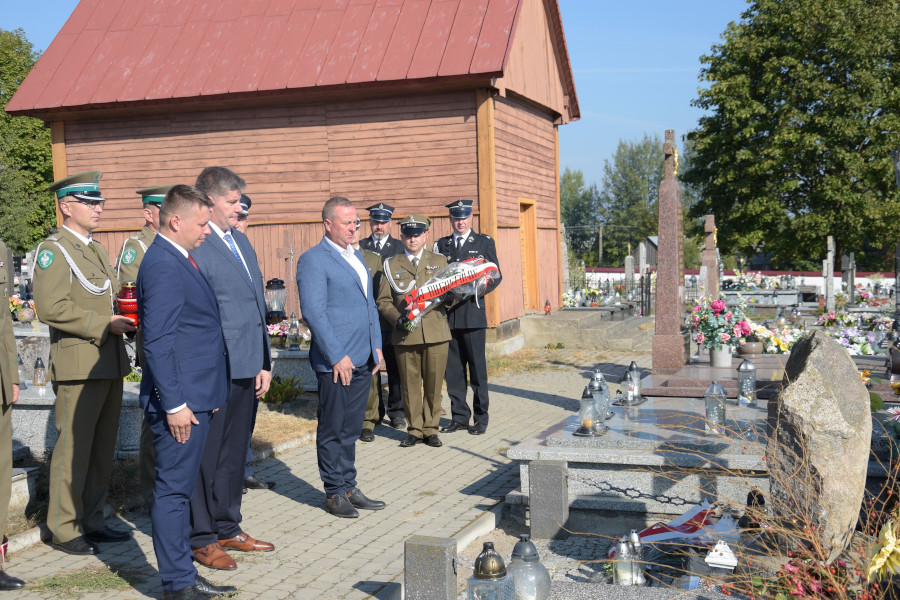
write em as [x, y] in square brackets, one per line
[91, 203]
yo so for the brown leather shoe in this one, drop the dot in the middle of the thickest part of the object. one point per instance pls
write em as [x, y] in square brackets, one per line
[245, 543]
[214, 557]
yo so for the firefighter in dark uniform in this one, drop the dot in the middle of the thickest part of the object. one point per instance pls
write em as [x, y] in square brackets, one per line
[127, 267]
[467, 325]
[386, 246]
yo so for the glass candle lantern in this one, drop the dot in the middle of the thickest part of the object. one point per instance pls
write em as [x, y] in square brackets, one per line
[275, 296]
[22, 374]
[39, 376]
[638, 564]
[491, 581]
[880, 335]
[746, 384]
[633, 383]
[624, 559]
[532, 580]
[587, 415]
[605, 391]
[715, 407]
[293, 333]
[601, 406]
[780, 321]
[795, 316]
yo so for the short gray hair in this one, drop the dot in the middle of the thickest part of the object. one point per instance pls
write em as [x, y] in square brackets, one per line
[331, 206]
[218, 181]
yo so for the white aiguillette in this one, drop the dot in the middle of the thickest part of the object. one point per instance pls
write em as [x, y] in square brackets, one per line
[721, 556]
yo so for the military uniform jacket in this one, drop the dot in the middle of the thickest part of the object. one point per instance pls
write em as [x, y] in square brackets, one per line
[80, 344]
[433, 329]
[391, 247]
[467, 314]
[132, 253]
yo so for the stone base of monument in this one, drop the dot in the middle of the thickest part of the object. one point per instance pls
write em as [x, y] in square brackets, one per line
[656, 459]
[692, 380]
[294, 363]
[24, 490]
[34, 421]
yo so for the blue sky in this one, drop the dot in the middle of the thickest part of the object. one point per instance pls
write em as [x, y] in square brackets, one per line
[636, 65]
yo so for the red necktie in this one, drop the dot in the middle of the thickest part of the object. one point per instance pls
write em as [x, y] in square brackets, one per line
[191, 258]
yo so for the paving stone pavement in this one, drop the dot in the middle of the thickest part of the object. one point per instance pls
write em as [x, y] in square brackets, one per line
[429, 491]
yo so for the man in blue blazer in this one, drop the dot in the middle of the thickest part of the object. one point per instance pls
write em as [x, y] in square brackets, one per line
[337, 300]
[229, 263]
[185, 380]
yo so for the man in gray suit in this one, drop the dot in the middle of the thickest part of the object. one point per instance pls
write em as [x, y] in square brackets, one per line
[229, 263]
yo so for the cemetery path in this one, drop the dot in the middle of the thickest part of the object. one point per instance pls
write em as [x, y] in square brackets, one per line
[444, 492]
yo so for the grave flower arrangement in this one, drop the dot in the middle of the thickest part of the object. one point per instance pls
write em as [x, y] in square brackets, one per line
[715, 325]
[835, 319]
[855, 341]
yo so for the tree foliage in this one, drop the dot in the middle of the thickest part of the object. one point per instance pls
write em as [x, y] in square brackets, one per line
[804, 101]
[27, 210]
[580, 208]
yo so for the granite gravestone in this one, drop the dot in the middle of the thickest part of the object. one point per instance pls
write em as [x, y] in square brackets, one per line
[828, 275]
[668, 340]
[710, 260]
[629, 273]
[818, 450]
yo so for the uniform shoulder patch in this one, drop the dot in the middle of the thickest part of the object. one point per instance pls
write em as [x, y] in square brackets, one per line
[129, 256]
[45, 258]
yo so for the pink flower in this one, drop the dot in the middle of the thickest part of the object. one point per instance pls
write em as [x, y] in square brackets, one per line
[737, 332]
[745, 327]
[700, 338]
[893, 414]
[728, 316]
[696, 308]
[791, 568]
[725, 337]
[717, 306]
[695, 318]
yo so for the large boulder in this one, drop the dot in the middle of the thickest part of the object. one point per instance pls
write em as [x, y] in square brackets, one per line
[819, 445]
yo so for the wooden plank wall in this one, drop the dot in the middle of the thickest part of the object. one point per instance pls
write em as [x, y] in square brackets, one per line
[548, 267]
[509, 253]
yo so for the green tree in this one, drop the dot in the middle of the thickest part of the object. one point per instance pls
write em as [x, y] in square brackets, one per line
[629, 197]
[804, 101]
[27, 210]
[580, 207]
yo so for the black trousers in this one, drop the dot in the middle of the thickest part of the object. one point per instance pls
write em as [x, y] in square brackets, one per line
[466, 364]
[392, 406]
[216, 503]
[341, 411]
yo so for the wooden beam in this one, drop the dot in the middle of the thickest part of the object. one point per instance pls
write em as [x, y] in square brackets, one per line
[487, 184]
[558, 216]
[58, 155]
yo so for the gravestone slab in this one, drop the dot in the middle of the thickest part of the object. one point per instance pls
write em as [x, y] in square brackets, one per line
[819, 448]
[710, 259]
[429, 571]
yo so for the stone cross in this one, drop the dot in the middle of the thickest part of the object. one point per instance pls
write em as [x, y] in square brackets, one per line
[710, 259]
[629, 272]
[669, 353]
[828, 274]
[642, 258]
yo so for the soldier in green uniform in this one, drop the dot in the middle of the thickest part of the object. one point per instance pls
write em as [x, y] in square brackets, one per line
[74, 292]
[127, 270]
[9, 389]
[372, 261]
[421, 350]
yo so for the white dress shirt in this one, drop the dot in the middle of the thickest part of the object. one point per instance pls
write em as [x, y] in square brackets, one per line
[349, 255]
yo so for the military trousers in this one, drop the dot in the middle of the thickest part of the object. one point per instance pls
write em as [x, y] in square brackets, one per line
[422, 369]
[5, 463]
[87, 421]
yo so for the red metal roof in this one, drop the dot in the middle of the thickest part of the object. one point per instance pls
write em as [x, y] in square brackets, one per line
[112, 52]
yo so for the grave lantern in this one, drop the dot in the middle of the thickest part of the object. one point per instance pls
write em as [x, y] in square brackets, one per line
[795, 316]
[587, 415]
[860, 321]
[633, 381]
[39, 376]
[715, 407]
[293, 333]
[605, 391]
[490, 581]
[746, 384]
[22, 374]
[532, 580]
[601, 406]
[275, 296]
[880, 335]
[780, 321]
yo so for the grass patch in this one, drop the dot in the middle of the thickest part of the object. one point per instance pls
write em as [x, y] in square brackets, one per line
[503, 451]
[524, 360]
[91, 579]
[276, 424]
[427, 493]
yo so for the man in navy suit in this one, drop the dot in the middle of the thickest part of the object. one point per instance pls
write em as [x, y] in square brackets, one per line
[229, 263]
[185, 380]
[337, 300]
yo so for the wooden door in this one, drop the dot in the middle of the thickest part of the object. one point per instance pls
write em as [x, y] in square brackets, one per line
[528, 239]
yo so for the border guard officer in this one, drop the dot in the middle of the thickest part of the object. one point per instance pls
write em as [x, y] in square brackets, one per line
[421, 351]
[74, 292]
[467, 324]
[127, 266]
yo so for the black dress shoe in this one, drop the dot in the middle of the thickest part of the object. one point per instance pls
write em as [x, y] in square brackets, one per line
[340, 506]
[454, 426]
[210, 590]
[107, 534]
[367, 436]
[359, 500]
[188, 593]
[258, 483]
[410, 440]
[79, 546]
[434, 441]
[477, 429]
[8, 584]
[398, 423]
